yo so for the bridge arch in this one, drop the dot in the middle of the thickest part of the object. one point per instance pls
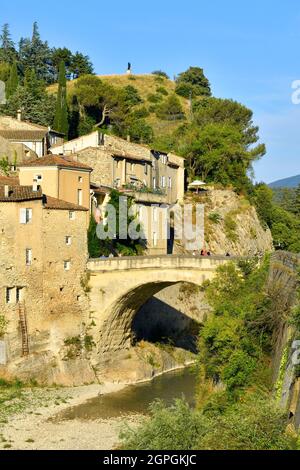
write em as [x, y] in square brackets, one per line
[119, 287]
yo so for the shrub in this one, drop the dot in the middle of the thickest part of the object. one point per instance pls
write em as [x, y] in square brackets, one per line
[230, 227]
[154, 98]
[162, 91]
[255, 424]
[161, 74]
[170, 109]
[215, 217]
[141, 113]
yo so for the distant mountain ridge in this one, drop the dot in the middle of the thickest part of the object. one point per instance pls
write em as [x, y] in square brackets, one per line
[291, 182]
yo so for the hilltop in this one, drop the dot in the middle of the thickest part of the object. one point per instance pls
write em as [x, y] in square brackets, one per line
[291, 182]
[147, 86]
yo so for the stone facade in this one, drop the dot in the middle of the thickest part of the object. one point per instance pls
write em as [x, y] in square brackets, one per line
[151, 177]
[42, 268]
[34, 137]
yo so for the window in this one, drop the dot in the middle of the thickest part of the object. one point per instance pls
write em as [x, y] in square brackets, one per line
[68, 240]
[72, 215]
[19, 294]
[79, 197]
[170, 182]
[28, 256]
[80, 179]
[146, 169]
[154, 183]
[163, 181]
[132, 166]
[9, 295]
[67, 265]
[25, 216]
[164, 159]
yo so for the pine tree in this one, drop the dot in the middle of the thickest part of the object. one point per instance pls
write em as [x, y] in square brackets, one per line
[61, 116]
[36, 54]
[13, 80]
[32, 84]
[8, 52]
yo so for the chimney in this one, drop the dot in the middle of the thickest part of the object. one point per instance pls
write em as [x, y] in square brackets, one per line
[6, 190]
[128, 138]
[19, 115]
[35, 186]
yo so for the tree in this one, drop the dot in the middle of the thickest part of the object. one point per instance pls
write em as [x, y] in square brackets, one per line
[37, 108]
[120, 244]
[36, 54]
[193, 81]
[80, 65]
[61, 115]
[219, 143]
[13, 80]
[59, 55]
[160, 73]
[33, 85]
[8, 52]
[170, 109]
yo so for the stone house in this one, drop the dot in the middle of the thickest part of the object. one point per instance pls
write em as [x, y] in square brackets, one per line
[42, 265]
[154, 178]
[33, 137]
[62, 178]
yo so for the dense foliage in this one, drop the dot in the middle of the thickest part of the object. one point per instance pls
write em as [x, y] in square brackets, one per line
[192, 83]
[28, 69]
[34, 53]
[119, 243]
[283, 222]
[235, 409]
[254, 424]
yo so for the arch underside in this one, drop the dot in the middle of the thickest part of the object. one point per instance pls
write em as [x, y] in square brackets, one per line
[116, 332]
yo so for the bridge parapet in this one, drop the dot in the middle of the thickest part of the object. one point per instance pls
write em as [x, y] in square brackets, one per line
[157, 262]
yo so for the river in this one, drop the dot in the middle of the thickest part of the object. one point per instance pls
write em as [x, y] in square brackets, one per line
[135, 399]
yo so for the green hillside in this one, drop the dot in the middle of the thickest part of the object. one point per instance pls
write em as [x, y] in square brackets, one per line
[150, 88]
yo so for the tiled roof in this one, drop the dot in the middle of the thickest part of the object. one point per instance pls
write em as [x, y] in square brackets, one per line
[55, 160]
[23, 135]
[59, 204]
[10, 181]
[20, 193]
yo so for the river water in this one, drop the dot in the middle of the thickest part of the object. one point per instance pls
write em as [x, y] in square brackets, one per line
[135, 399]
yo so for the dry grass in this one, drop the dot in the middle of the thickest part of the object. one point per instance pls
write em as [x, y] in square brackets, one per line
[146, 85]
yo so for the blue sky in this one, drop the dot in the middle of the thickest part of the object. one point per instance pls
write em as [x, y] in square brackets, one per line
[249, 51]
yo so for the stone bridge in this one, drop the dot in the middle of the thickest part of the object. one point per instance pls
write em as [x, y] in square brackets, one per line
[118, 287]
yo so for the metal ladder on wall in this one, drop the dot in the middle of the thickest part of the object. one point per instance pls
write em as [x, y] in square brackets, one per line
[24, 329]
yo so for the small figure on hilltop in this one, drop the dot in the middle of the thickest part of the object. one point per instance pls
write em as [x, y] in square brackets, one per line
[129, 69]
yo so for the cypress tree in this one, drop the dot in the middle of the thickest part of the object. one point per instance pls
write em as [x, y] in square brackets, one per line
[13, 80]
[61, 115]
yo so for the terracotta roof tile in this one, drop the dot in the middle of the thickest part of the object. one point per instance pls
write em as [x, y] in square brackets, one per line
[20, 193]
[27, 135]
[55, 160]
[59, 204]
[9, 180]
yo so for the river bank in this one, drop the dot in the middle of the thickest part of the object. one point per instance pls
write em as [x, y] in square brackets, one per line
[31, 424]
[45, 418]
